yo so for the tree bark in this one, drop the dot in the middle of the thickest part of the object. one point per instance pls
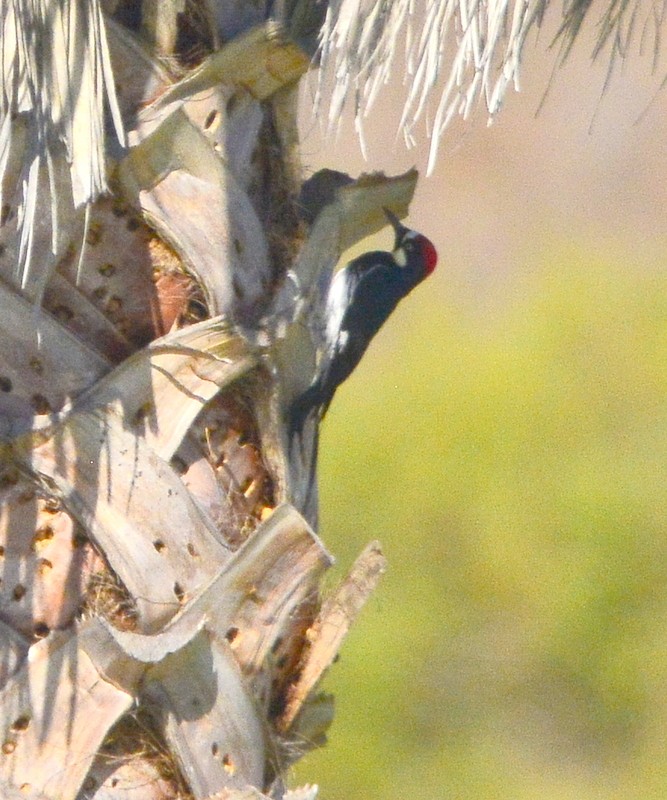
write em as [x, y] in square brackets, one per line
[163, 633]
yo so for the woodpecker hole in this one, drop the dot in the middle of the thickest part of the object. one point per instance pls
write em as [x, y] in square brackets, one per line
[5, 384]
[114, 305]
[68, 257]
[192, 550]
[21, 723]
[43, 534]
[179, 592]
[228, 764]
[36, 365]
[52, 505]
[94, 234]
[44, 566]
[231, 634]
[40, 630]
[215, 749]
[106, 270]
[40, 404]
[19, 592]
[2, 551]
[122, 326]
[114, 783]
[210, 119]
[159, 545]
[79, 540]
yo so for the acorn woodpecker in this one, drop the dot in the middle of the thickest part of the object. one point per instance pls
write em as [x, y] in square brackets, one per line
[361, 297]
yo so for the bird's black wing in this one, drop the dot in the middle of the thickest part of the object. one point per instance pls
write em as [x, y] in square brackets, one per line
[361, 297]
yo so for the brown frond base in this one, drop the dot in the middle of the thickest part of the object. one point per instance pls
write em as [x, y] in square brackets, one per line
[46, 560]
[106, 597]
[221, 463]
[133, 290]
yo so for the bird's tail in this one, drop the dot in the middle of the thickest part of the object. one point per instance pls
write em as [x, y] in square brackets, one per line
[302, 408]
[305, 409]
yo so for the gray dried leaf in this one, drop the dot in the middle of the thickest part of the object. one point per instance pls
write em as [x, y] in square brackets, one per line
[51, 737]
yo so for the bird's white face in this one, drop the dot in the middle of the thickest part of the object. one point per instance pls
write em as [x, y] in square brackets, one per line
[408, 243]
[401, 257]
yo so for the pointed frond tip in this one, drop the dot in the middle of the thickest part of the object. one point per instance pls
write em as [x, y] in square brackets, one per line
[56, 85]
[457, 54]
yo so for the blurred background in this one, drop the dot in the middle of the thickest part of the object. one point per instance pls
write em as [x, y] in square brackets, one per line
[505, 438]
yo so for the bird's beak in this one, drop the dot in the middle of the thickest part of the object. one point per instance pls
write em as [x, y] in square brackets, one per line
[399, 230]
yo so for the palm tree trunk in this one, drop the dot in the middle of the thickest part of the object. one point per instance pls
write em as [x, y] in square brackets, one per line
[162, 632]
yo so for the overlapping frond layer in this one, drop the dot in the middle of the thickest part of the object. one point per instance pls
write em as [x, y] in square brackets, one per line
[457, 53]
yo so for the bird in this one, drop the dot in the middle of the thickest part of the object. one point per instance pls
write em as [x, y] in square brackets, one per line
[360, 299]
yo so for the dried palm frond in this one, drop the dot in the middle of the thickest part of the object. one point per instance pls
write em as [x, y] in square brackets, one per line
[458, 53]
[56, 84]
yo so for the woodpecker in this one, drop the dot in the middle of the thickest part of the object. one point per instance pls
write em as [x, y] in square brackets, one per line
[361, 297]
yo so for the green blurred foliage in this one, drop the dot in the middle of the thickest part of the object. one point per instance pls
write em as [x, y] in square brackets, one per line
[514, 469]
